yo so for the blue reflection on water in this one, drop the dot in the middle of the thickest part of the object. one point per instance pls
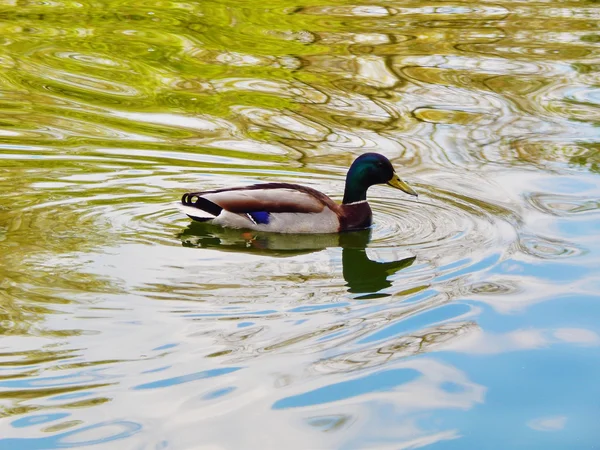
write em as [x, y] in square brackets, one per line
[377, 382]
[76, 378]
[186, 378]
[485, 263]
[219, 393]
[419, 321]
[523, 389]
[37, 419]
[310, 308]
[165, 347]
[127, 429]
[265, 312]
[71, 396]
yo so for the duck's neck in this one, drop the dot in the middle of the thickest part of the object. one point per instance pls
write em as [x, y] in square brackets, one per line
[354, 192]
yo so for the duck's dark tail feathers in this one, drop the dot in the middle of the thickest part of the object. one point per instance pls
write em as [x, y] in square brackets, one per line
[197, 207]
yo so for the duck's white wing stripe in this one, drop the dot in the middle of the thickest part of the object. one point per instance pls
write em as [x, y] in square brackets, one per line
[251, 218]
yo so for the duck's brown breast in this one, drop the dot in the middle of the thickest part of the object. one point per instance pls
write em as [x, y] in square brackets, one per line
[355, 216]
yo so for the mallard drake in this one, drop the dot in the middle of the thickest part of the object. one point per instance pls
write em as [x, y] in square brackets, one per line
[292, 208]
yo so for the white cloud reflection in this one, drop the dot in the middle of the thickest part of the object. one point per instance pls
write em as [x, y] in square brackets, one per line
[553, 423]
[482, 342]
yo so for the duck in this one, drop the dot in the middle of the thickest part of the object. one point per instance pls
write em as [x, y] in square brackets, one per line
[293, 208]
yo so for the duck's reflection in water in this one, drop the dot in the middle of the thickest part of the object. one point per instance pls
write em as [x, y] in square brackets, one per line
[362, 275]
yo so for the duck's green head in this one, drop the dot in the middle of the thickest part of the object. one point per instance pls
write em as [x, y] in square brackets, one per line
[370, 169]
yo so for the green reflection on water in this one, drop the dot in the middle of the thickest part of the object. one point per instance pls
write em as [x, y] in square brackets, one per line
[361, 274]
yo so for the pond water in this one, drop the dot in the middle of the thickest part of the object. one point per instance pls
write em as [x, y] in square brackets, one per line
[466, 319]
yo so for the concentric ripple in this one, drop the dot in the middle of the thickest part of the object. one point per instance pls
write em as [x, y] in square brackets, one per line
[427, 223]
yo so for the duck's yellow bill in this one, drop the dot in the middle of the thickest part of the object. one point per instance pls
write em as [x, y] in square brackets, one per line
[402, 185]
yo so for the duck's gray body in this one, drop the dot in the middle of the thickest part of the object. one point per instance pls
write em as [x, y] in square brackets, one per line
[276, 207]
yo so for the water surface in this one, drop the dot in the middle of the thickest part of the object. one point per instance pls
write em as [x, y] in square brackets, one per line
[465, 320]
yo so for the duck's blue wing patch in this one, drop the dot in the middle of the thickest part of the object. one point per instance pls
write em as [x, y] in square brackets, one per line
[260, 217]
